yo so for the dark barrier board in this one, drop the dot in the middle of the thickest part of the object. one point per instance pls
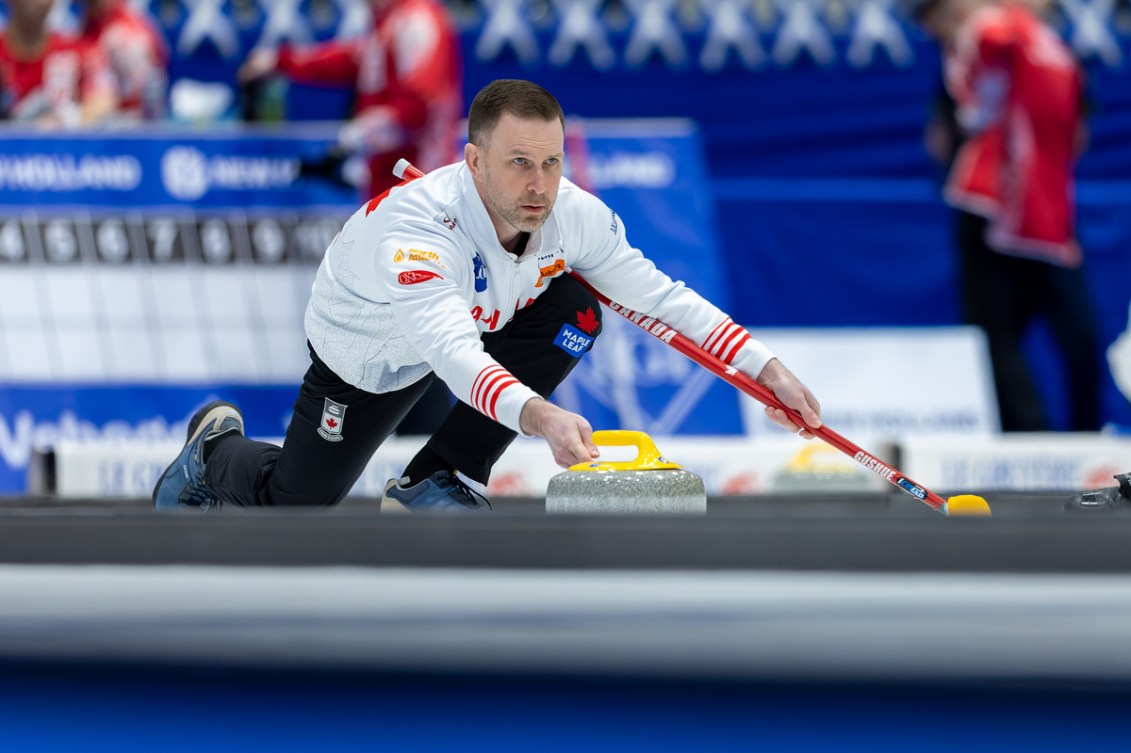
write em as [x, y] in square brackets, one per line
[865, 533]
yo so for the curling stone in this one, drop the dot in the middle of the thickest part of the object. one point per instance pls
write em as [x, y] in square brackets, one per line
[646, 484]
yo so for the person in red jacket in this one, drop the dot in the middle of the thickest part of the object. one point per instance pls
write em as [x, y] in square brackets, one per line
[1018, 93]
[136, 53]
[50, 79]
[407, 80]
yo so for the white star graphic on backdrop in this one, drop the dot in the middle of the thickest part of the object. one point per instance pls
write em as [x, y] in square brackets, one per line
[207, 20]
[876, 27]
[654, 30]
[1092, 34]
[578, 26]
[284, 21]
[505, 26]
[801, 29]
[729, 27]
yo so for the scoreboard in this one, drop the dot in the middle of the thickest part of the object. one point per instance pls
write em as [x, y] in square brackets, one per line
[157, 238]
[157, 296]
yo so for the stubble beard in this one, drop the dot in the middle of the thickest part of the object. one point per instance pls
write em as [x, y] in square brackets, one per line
[512, 213]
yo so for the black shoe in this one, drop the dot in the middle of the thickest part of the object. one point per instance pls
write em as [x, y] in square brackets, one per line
[443, 491]
[1108, 499]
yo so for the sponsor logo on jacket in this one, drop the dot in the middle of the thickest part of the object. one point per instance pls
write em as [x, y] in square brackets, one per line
[572, 341]
[548, 272]
[416, 254]
[480, 273]
[414, 276]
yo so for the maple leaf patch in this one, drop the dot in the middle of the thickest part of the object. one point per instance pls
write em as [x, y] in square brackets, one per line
[587, 321]
[333, 416]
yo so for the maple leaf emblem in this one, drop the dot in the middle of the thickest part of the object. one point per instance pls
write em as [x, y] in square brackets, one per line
[587, 320]
[331, 423]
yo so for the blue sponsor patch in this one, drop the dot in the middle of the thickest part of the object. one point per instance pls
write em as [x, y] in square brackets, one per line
[480, 273]
[573, 341]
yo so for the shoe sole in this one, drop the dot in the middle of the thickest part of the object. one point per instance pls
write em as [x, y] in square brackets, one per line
[216, 411]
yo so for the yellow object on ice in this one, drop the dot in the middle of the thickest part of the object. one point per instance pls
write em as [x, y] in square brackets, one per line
[967, 505]
[648, 457]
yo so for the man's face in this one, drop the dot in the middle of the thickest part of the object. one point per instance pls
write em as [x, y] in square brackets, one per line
[31, 12]
[519, 169]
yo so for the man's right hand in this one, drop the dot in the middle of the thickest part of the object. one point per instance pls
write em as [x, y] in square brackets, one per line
[569, 435]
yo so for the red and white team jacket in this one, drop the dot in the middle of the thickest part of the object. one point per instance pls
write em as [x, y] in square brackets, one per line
[415, 276]
[54, 82]
[407, 77]
[137, 56]
[1018, 90]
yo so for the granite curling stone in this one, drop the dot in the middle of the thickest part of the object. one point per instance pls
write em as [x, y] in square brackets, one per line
[647, 484]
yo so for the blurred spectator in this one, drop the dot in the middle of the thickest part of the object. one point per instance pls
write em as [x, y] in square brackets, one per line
[48, 77]
[136, 53]
[1017, 94]
[1119, 359]
[407, 80]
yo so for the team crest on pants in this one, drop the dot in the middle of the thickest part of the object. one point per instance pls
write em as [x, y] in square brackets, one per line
[333, 416]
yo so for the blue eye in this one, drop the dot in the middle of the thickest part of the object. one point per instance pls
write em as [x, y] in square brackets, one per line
[520, 160]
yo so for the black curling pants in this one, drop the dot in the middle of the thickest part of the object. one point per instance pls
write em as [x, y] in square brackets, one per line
[1003, 295]
[313, 468]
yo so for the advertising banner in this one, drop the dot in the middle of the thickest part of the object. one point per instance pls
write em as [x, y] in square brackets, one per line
[1017, 462]
[880, 384]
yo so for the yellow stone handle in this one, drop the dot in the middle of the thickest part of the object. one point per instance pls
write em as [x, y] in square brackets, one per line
[648, 457]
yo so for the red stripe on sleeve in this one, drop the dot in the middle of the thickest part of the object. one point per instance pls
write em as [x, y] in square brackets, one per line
[490, 384]
[724, 343]
[714, 333]
[480, 381]
[489, 388]
[495, 398]
[737, 346]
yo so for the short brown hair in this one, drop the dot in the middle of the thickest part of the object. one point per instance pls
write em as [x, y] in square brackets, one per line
[523, 99]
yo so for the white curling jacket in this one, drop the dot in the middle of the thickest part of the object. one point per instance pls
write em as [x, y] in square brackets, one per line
[415, 276]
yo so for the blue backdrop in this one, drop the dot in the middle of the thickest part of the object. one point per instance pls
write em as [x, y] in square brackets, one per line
[826, 206]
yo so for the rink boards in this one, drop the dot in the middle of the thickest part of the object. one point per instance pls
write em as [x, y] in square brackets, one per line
[808, 621]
